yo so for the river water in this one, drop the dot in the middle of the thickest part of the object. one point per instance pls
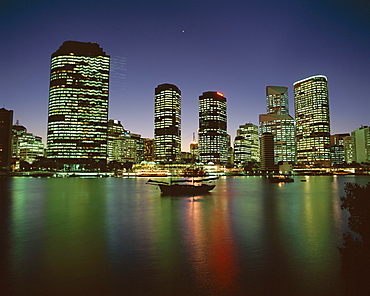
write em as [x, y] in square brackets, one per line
[113, 236]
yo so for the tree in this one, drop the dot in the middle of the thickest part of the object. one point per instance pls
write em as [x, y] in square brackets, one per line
[251, 166]
[356, 250]
[114, 165]
[128, 165]
[24, 165]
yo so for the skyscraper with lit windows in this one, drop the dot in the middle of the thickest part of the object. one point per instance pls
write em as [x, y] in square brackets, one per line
[361, 141]
[167, 123]
[246, 144]
[278, 122]
[26, 146]
[212, 133]
[78, 103]
[312, 117]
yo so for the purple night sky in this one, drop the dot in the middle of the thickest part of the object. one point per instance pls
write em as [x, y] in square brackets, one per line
[236, 47]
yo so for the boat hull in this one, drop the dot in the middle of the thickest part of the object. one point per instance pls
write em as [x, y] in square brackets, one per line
[178, 189]
[280, 180]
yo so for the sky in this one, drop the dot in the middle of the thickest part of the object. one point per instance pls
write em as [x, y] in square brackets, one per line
[236, 47]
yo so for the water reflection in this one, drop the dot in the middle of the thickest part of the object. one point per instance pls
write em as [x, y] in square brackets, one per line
[119, 236]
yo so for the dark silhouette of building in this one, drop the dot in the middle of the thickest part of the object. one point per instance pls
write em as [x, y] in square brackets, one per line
[267, 152]
[6, 122]
[78, 103]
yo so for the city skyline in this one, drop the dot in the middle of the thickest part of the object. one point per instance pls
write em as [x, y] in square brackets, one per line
[238, 50]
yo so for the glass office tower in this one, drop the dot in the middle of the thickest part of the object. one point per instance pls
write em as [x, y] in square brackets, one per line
[78, 103]
[212, 133]
[246, 144]
[167, 123]
[277, 100]
[312, 117]
[278, 122]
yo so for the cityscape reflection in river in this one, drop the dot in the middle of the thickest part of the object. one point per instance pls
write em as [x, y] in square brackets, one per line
[109, 236]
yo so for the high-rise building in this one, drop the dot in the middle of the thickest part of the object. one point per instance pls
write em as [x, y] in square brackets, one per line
[139, 142]
[124, 146]
[78, 103]
[312, 117]
[277, 100]
[361, 138]
[267, 152]
[194, 150]
[212, 133]
[123, 149]
[6, 122]
[30, 148]
[349, 149]
[246, 144]
[114, 131]
[278, 122]
[337, 149]
[148, 149]
[167, 123]
[18, 131]
[26, 146]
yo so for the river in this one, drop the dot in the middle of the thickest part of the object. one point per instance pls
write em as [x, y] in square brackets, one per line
[117, 236]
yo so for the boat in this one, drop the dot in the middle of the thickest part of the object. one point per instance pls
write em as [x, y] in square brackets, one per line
[184, 186]
[193, 172]
[280, 178]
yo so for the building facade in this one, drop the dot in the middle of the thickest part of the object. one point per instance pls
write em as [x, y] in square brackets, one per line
[123, 149]
[337, 149]
[311, 101]
[139, 141]
[246, 144]
[18, 131]
[26, 146]
[78, 103]
[124, 146]
[278, 122]
[361, 138]
[148, 149]
[267, 152]
[6, 122]
[277, 100]
[194, 151]
[212, 133]
[167, 123]
[114, 131]
[349, 149]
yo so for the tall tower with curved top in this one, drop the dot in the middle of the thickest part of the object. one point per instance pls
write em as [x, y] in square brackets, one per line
[167, 123]
[212, 133]
[78, 103]
[311, 101]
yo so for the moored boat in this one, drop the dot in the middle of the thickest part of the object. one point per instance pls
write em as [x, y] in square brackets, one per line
[280, 178]
[193, 172]
[184, 186]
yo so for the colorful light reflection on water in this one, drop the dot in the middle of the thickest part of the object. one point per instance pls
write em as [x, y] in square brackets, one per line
[78, 236]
